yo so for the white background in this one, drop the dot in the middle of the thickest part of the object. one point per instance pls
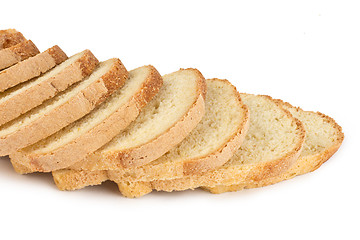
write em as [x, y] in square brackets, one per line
[305, 52]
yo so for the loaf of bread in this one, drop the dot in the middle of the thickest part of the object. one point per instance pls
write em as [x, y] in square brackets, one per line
[89, 122]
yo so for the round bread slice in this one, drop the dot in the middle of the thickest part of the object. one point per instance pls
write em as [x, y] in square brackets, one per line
[273, 143]
[31, 67]
[65, 108]
[162, 124]
[213, 141]
[23, 97]
[323, 138]
[74, 142]
[10, 37]
[17, 53]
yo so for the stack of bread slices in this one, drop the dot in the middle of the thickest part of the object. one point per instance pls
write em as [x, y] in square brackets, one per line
[87, 122]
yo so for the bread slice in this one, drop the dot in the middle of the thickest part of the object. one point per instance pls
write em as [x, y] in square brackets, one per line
[23, 97]
[31, 67]
[65, 108]
[17, 53]
[323, 138]
[163, 123]
[208, 146]
[273, 143]
[10, 37]
[74, 142]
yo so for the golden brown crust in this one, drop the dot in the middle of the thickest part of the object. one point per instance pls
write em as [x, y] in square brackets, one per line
[70, 111]
[37, 94]
[149, 88]
[31, 68]
[19, 168]
[57, 54]
[201, 85]
[72, 180]
[115, 78]
[17, 53]
[134, 189]
[10, 37]
[87, 143]
[25, 50]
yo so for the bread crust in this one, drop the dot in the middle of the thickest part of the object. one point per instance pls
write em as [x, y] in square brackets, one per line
[303, 165]
[145, 153]
[75, 108]
[72, 179]
[17, 53]
[57, 54]
[10, 37]
[31, 67]
[89, 142]
[37, 94]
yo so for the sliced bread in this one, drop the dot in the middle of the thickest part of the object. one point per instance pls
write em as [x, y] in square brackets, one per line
[323, 138]
[209, 145]
[31, 67]
[163, 123]
[17, 53]
[74, 142]
[10, 37]
[23, 97]
[65, 108]
[273, 143]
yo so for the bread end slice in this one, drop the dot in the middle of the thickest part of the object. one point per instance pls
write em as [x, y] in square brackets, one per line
[10, 37]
